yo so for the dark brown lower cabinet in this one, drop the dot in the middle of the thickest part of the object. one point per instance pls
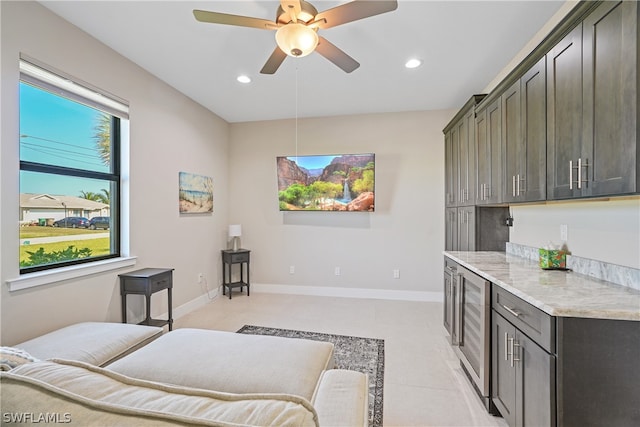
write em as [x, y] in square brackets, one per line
[523, 377]
[562, 371]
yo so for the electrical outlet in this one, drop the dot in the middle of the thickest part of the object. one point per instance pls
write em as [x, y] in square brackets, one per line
[563, 232]
[292, 269]
[200, 277]
[337, 271]
[396, 273]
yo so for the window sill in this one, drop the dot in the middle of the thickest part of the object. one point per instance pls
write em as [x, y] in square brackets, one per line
[47, 277]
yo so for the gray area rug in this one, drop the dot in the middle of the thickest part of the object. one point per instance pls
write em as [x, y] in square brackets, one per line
[354, 353]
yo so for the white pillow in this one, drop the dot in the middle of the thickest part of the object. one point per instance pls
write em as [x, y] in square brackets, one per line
[11, 357]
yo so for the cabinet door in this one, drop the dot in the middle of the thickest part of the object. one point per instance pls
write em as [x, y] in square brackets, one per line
[512, 143]
[451, 229]
[483, 156]
[448, 299]
[503, 374]
[489, 154]
[532, 185]
[564, 115]
[467, 228]
[494, 134]
[467, 160]
[610, 98]
[451, 168]
[535, 384]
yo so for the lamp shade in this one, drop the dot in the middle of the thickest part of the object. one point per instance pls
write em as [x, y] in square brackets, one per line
[235, 230]
[296, 39]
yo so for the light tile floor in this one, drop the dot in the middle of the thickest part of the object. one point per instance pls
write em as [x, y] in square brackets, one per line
[424, 384]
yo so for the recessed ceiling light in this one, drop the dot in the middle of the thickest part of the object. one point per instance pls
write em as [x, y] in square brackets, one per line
[244, 79]
[413, 63]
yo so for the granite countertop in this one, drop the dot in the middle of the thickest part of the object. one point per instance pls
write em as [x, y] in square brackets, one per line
[556, 292]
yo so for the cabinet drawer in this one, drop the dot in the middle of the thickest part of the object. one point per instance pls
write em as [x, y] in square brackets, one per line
[450, 265]
[237, 258]
[162, 281]
[535, 323]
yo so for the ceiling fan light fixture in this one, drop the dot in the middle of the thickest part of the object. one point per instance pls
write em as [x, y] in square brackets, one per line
[296, 40]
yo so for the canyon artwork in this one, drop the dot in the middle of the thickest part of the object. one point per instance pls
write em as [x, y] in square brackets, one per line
[327, 183]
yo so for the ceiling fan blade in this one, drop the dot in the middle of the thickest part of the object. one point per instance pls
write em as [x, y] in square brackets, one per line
[274, 61]
[241, 21]
[335, 55]
[352, 11]
[292, 7]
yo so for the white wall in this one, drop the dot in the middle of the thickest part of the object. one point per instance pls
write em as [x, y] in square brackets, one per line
[607, 230]
[405, 232]
[169, 133]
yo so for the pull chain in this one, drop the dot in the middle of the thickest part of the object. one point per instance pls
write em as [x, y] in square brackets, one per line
[296, 91]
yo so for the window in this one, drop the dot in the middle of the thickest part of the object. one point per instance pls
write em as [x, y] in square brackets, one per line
[70, 140]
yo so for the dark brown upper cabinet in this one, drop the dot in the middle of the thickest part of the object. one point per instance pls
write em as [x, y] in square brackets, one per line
[524, 139]
[451, 168]
[489, 154]
[460, 156]
[564, 115]
[592, 106]
[610, 98]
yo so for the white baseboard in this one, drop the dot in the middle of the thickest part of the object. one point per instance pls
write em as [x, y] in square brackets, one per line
[384, 294]
[193, 305]
[349, 292]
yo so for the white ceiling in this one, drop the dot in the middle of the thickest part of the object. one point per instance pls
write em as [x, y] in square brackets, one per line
[464, 45]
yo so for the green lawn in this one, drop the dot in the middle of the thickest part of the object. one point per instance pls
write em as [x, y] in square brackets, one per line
[99, 246]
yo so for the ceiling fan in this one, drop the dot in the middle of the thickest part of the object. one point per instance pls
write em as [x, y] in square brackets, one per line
[297, 23]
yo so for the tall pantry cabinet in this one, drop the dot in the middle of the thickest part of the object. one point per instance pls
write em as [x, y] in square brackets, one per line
[468, 227]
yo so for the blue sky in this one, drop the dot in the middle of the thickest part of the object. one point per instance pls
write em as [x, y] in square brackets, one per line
[312, 162]
[55, 130]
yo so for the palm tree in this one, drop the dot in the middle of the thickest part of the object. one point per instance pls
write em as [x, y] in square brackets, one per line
[90, 196]
[104, 196]
[103, 137]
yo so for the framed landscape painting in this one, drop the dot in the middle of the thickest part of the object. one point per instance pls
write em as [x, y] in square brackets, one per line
[195, 193]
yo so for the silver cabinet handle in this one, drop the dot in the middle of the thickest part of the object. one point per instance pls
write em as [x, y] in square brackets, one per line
[506, 345]
[510, 310]
[518, 185]
[570, 174]
[579, 172]
[513, 185]
[516, 349]
[580, 166]
[511, 350]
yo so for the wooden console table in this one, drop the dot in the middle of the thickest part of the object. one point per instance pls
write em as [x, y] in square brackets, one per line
[230, 257]
[145, 282]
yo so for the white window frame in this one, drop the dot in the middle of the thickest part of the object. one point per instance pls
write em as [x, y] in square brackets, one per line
[32, 70]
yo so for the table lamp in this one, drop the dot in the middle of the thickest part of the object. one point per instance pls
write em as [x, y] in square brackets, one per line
[235, 231]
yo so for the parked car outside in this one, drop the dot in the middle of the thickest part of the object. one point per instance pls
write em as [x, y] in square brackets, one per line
[72, 222]
[99, 222]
